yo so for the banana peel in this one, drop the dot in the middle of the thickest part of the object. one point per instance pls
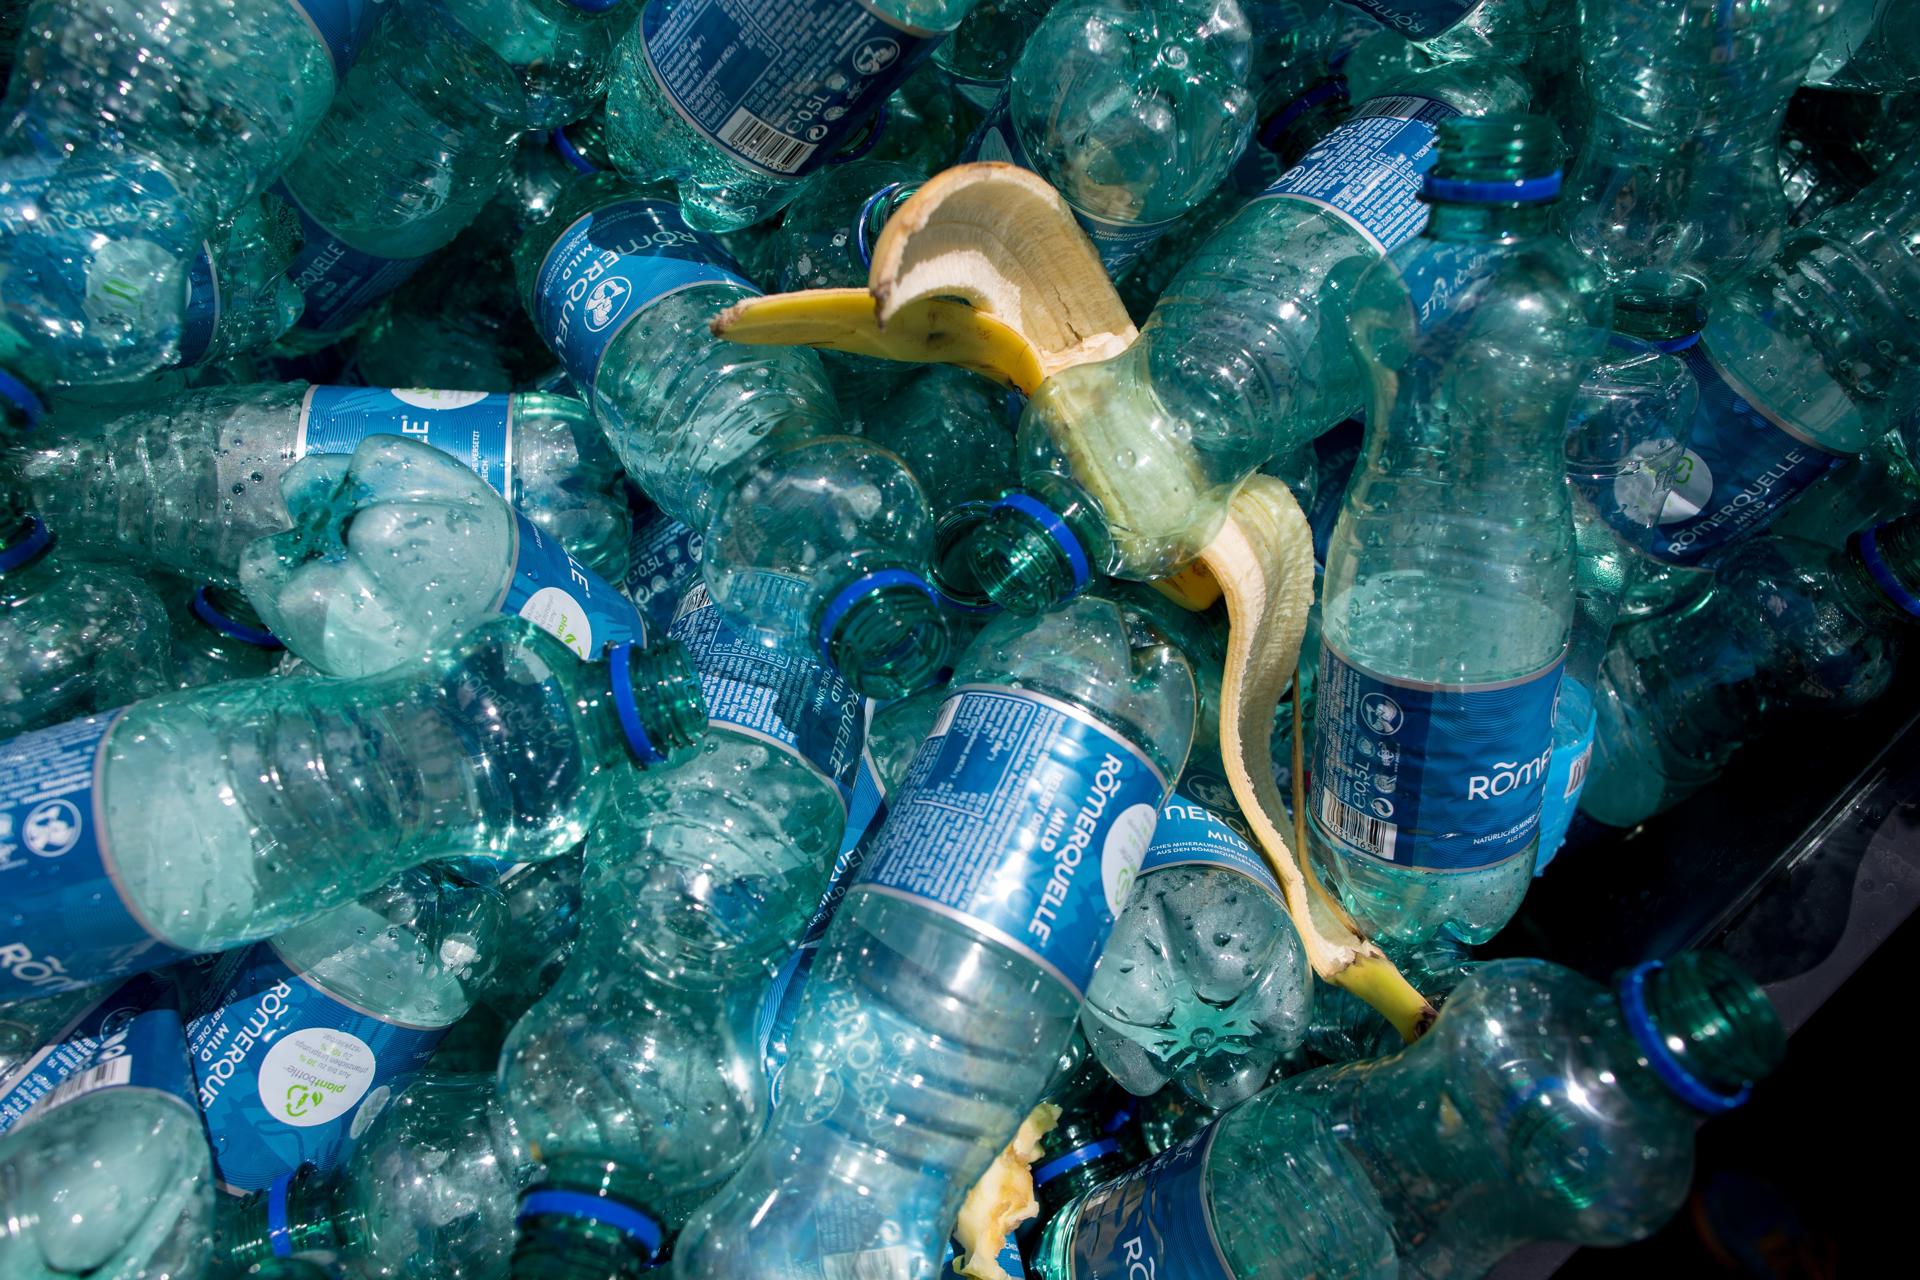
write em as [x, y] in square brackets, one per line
[985, 267]
[1002, 1199]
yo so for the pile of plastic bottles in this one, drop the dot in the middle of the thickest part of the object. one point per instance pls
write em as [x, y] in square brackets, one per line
[502, 781]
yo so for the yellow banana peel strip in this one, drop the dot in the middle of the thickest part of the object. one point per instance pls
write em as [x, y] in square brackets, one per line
[1002, 1199]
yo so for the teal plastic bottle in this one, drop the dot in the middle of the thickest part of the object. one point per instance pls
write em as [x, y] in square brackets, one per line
[122, 157]
[1868, 48]
[1448, 598]
[101, 1149]
[239, 296]
[302, 793]
[951, 978]
[1788, 625]
[397, 548]
[1541, 1106]
[188, 483]
[738, 106]
[979, 56]
[298, 1042]
[1246, 357]
[825, 238]
[217, 636]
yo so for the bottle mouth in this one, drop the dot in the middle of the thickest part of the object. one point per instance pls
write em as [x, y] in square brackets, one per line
[1026, 557]
[561, 143]
[883, 633]
[565, 1234]
[29, 540]
[1867, 545]
[230, 616]
[1506, 159]
[873, 215]
[1708, 1033]
[19, 401]
[657, 695]
[952, 565]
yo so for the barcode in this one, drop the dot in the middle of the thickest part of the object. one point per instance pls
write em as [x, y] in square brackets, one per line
[109, 1073]
[1356, 828]
[763, 144]
[1578, 774]
[891, 1263]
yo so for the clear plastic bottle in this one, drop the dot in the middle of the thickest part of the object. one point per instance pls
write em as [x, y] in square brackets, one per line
[1449, 590]
[204, 819]
[1541, 1106]
[825, 238]
[935, 1012]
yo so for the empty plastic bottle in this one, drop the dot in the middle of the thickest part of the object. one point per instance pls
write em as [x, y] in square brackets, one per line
[239, 297]
[76, 636]
[425, 1192]
[1542, 1106]
[978, 57]
[825, 239]
[103, 1156]
[952, 975]
[1869, 46]
[217, 636]
[1245, 357]
[131, 134]
[201, 820]
[738, 103]
[1788, 624]
[1455, 30]
[188, 484]
[1449, 589]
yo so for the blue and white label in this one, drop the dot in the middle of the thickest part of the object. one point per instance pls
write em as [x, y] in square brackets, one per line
[779, 85]
[1368, 172]
[66, 922]
[1026, 818]
[564, 598]
[1152, 1222]
[609, 267]
[780, 697]
[1119, 244]
[340, 283]
[1009, 1260]
[1416, 19]
[474, 426]
[201, 314]
[1742, 465]
[343, 26]
[1200, 826]
[1443, 777]
[1567, 774]
[132, 1038]
[289, 1075]
[663, 558]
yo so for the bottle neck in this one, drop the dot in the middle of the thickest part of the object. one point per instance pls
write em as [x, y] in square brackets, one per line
[295, 1215]
[1467, 223]
[654, 709]
[1885, 563]
[873, 215]
[1704, 1028]
[880, 626]
[1040, 545]
[586, 1219]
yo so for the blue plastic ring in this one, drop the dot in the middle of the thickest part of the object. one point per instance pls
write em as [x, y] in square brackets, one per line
[1045, 1173]
[570, 153]
[860, 222]
[259, 637]
[623, 1218]
[620, 658]
[1877, 567]
[1319, 92]
[279, 1234]
[1519, 191]
[844, 600]
[1672, 1072]
[1054, 527]
[29, 548]
[21, 396]
[1669, 345]
[593, 6]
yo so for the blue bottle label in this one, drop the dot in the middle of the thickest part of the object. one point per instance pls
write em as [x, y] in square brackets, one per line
[1200, 826]
[1416, 19]
[201, 315]
[1154, 1221]
[1119, 244]
[130, 1039]
[1445, 777]
[779, 85]
[1566, 777]
[289, 1075]
[473, 426]
[71, 923]
[340, 283]
[564, 598]
[343, 26]
[1368, 171]
[1742, 465]
[1011, 1264]
[610, 266]
[780, 697]
[1028, 819]
[1335, 453]
[663, 558]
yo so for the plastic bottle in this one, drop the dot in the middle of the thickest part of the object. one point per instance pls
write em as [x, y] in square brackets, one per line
[927, 1031]
[1542, 1106]
[300, 1041]
[1869, 47]
[1095, 1140]
[122, 156]
[103, 1156]
[825, 238]
[76, 637]
[738, 104]
[397, 548]
[1449, 589]
[1245, 357]
[188, 484]
[978, 57]
[217, 636]
[1456, 30]
[301, 793]
[1788, 624]
[239, 297]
